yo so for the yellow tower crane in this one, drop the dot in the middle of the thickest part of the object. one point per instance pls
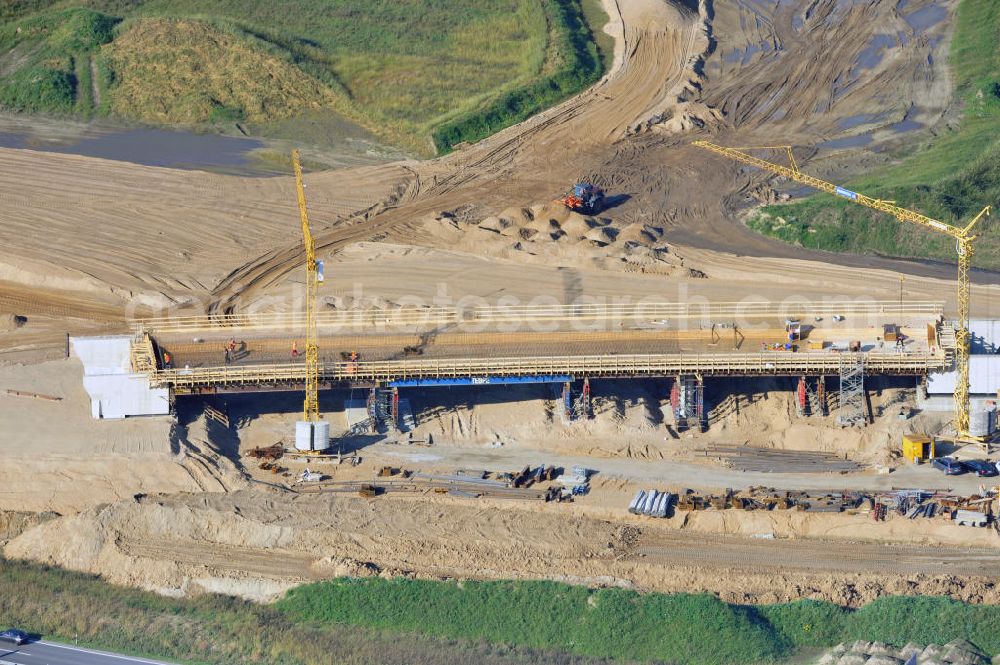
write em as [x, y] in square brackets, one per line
[310, 409]
[962, 235]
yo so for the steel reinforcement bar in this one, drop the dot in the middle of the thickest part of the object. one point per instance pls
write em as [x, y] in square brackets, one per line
[778, 363]
[719, 312]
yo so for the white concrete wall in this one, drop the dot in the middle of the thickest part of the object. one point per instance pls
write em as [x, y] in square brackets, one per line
[115, 391]
[984, 377]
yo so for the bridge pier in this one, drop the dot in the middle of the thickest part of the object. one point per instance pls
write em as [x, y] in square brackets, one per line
[821, 405]
[801, 397]
[581, 405]
[687, 399]
[383, 409]
[575, 404]
[810, 401]
[370, 406]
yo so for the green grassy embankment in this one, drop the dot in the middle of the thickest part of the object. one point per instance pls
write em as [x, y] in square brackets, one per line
[686, 629]
[45, 62]
[574, 62]
[417, 622]
[218, 630]
[414, 73]
[951, 177]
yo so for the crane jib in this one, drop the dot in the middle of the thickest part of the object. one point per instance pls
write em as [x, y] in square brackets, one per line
[846, 193]
[962, 235]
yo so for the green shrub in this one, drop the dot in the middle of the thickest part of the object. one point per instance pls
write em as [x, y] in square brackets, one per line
[39, 88]
[222, 114]
[81, 30]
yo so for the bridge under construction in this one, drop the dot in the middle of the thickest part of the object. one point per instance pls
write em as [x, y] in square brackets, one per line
[386, 350]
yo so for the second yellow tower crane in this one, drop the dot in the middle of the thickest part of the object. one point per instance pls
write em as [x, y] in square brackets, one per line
[962, 235]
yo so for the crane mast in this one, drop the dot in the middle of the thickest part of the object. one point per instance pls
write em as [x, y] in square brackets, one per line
[310, 407]
[963, 236]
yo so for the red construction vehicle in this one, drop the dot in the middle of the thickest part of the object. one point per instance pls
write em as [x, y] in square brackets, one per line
[585, 198]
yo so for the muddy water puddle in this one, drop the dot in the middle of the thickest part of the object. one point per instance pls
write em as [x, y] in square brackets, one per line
[926, 18]
[848, 142]
[235, 155]
[150, 147]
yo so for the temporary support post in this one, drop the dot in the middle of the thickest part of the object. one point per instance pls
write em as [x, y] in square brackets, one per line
[581, 405]
[394, 412]
[821, 396]
[800, 397]
[675, 400]
[852, 390]
[700, 403]
[383, 408]
[687, 400]
[372, 407]
[567, 401]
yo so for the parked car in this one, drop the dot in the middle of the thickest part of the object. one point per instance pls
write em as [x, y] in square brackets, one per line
[951, 467]
[14, 635]
[981, 468]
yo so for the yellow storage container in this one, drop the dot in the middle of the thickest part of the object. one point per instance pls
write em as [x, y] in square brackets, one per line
[918, 447]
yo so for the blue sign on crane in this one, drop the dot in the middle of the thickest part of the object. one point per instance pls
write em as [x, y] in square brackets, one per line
[846, 193]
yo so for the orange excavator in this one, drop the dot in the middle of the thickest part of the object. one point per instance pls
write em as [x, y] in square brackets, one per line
[584, 198]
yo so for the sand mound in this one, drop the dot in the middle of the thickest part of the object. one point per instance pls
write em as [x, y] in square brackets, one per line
[553, 233]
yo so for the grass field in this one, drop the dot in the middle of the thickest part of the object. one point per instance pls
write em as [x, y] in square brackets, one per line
[686, 629]
[950, 178]
[407, 70]
[493, 623]
[219, 630]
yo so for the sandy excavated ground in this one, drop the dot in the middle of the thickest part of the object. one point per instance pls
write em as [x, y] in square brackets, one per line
[57, 458]
[256, 545]
[89, 243]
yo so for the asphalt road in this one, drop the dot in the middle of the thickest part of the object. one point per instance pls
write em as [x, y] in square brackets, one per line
[47, 653]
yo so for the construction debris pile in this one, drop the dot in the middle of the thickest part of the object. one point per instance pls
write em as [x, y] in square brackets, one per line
[525, 484]
[269, 457]
[766, 460]
[975, 510]
[277, 451]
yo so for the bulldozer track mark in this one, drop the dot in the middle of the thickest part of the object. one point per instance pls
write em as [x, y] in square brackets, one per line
[822, 556]
[275, 563]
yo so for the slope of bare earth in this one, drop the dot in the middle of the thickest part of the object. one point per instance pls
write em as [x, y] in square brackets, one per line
[257, 545]
[57, 458]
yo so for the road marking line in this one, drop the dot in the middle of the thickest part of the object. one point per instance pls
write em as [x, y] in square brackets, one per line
[134, 659]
